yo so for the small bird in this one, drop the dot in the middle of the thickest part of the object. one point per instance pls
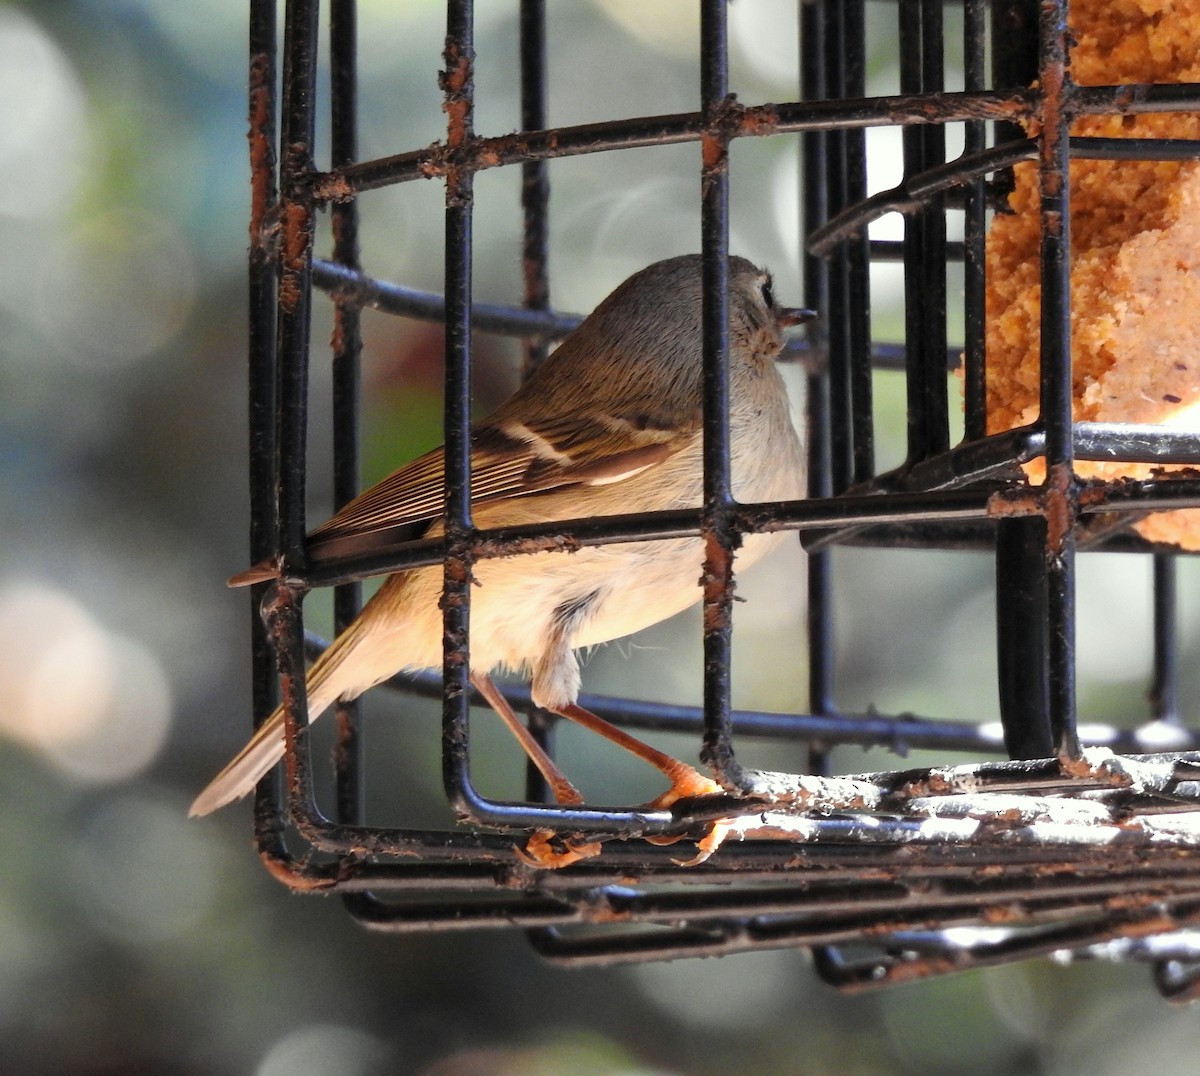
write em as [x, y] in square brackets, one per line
[609, 423]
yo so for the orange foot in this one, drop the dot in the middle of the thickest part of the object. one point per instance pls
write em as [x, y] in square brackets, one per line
[709, 843]
[540, 852]
[686, 782]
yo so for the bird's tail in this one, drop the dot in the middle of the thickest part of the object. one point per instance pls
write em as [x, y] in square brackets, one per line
[266, 746]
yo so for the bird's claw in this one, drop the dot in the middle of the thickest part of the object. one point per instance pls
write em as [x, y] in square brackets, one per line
[540, 851]
[546, 850]
[686, 783]
[708, 844]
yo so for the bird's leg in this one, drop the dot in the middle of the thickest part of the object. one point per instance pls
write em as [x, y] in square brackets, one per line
[561, 788]
[686, 781]
[538, 852]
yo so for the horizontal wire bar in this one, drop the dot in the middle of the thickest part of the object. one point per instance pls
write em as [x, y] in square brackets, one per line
[917, 189]
[353, 287]
[568, 535]
[464, 862]
[899, 733]
[902, 507]
[739, 121]
[477, 154]
[349, 286]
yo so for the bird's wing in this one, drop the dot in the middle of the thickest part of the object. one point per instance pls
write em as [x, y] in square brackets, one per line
[508, 459]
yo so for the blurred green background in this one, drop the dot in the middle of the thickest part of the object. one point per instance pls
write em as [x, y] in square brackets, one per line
[134, 941]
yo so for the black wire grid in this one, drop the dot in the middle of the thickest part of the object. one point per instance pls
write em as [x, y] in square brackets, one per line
[1062, 850]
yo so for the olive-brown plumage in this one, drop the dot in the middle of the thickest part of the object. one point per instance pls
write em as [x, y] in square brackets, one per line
[610, 423]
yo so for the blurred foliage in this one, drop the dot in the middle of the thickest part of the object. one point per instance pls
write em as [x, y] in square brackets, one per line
[133, 941]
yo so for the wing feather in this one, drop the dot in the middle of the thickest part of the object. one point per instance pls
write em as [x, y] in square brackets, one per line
[508, 459]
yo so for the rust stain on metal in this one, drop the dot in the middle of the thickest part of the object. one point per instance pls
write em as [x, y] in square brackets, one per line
[1054, 84]
[294, 877]
[555, 543]
[1161, 924]
[1125, 97]
[1013, 503]
[262, 154]
[757, 120]
[487, 156]
[1097, 493]
[1056, 499]
[455, 82]
[454, 657]
[337, 336]
[712, 151]
[1015, 108]
[1055, 870]
[1079, 768]
[332, 187]
[1058, 506]
[717, 580]
[919, 969]
[935, 783]
[458, 576]
[297, 236]
[720, 125]
[1124, 902]
[435, 165]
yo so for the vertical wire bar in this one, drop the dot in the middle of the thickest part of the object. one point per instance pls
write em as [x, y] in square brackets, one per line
[1014, 65]
[816, 150]
[347, 350]
[814, 211]
[838, 313]
[457, 82]
[535, 197]
[933, 223]
[295, 294]
[857, 251]
[535, 175]
[974, 231]
[1021, 643]
[1164, 691]
[298, 216]
[1056, 398]
[909, 15]
[719, 538]
[1021, 599]
[925, 240]
[264, 527]
[934, 277]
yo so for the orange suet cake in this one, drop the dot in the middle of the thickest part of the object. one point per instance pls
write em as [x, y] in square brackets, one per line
[1135, 254]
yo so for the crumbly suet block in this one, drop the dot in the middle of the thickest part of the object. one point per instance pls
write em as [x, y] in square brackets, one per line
[1135, 255]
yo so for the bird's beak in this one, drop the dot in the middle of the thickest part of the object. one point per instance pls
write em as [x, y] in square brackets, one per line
[793, 315]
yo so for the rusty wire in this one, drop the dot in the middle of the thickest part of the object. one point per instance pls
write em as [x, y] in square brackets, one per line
[884, 877]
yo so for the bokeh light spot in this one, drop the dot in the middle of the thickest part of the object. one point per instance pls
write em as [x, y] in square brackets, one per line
[43, 124]
[120, 877]
[324, 1050]
[94, 704]
[116, 289]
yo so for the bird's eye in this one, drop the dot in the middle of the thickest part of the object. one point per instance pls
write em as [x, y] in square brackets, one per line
[768, 293]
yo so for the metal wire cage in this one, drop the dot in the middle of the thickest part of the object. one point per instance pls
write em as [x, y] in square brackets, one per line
[884, 876]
